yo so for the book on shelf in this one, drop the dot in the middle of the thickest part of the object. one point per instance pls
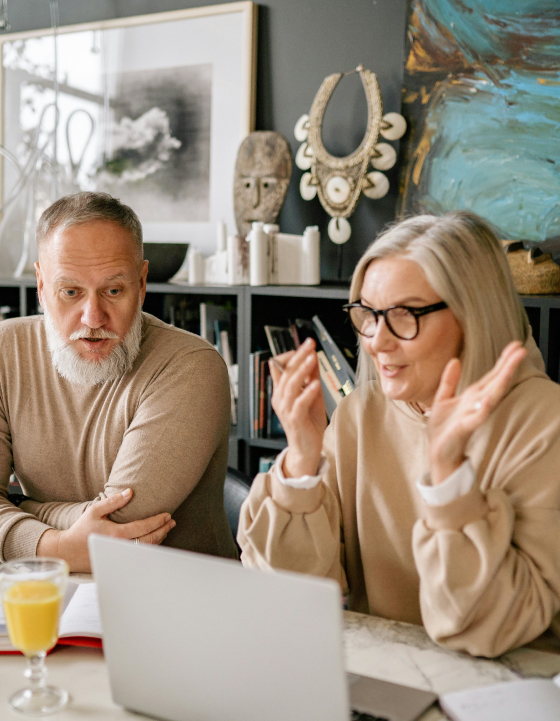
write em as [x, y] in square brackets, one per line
[336, 357]
[217, 328]
[258, 370]
[336, 374]
[80, 622]
[266, 463]
[280, 339]
[263, 372]
[269, 408]
[209, 314]
[295, 335]
[331, 384]
[221, 328]
[251, 394]
[273, 426]
[224, 348]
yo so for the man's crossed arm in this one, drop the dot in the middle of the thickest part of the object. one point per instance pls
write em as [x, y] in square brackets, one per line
[182, 418]
[71, 544]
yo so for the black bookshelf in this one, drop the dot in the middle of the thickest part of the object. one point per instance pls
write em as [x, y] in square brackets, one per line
[255, 306]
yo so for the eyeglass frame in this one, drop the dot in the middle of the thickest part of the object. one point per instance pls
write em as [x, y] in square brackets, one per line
[416, 312]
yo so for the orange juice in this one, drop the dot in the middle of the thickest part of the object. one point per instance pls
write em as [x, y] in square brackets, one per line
[32, 609]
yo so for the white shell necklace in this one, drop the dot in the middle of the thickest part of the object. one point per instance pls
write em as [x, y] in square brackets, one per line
[339, 181]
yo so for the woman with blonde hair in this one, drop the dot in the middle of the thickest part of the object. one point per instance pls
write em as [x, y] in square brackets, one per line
[433, 497]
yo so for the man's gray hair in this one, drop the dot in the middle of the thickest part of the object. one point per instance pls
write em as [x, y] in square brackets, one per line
[466, 266]
[86, 207]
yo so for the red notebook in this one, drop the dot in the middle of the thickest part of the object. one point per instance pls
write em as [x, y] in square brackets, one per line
[80, 623]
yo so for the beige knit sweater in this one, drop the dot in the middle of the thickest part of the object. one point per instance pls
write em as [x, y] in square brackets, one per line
[161, 429]
[482, 573]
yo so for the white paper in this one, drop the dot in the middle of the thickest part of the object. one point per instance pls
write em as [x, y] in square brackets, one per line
[527, 700]
[81, 617]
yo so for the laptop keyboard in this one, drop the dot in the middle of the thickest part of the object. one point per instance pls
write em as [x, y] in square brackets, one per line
[357, 716]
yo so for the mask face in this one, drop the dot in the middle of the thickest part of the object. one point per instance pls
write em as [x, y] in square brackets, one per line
[262, 175]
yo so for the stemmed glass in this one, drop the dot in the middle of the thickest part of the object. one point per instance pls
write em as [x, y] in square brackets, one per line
[32, 590]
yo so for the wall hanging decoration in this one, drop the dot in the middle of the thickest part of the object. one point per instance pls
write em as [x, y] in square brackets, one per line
[339, 182]
[150, 109]
[262, 174]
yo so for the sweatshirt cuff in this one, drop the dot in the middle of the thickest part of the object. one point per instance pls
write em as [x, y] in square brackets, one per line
[304, 482]
[459, 513]
[22, 539]
[458, 484]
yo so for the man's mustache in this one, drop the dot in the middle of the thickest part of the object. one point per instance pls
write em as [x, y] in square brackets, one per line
[93, 333]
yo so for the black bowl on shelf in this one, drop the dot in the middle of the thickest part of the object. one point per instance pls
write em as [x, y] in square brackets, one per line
[164, 259]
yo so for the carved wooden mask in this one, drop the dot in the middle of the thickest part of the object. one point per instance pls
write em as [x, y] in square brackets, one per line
[262, 175]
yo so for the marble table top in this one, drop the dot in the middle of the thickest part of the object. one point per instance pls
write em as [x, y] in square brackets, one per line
[403, 653]
[388, 650]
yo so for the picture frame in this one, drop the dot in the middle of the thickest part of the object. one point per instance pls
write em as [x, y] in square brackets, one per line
[150, 108]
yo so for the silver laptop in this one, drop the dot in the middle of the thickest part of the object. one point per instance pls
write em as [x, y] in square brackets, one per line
[188, 636]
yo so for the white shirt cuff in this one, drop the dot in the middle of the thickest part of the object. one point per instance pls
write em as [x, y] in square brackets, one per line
[458, 484]
[304, 482]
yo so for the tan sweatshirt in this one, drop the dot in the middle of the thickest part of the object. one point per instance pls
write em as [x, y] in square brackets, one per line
[161, 429]
[482, 573]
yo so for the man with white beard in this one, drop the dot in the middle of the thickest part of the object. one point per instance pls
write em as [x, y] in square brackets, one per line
[113, 421]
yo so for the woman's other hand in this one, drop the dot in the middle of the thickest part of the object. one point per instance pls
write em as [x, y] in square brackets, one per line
[453, 419]
[298, 402]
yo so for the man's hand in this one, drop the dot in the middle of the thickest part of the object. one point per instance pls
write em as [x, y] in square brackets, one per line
[71, 545]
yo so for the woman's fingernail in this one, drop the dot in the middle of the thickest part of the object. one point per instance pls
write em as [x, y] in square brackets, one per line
[173, 524]
[308, 342]
[126, 492]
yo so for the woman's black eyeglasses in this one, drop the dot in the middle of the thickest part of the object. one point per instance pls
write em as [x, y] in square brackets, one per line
[401, 320]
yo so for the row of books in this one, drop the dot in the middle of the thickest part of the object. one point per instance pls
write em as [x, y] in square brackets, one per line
[216, 327]
[214, 323]
[337, 367]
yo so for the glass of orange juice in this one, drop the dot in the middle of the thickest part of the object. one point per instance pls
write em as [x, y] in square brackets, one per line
[32, 590]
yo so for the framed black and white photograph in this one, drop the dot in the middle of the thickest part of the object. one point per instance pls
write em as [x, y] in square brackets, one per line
[150, 109]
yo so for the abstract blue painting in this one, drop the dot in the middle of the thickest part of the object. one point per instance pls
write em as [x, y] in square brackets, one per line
[482, 96]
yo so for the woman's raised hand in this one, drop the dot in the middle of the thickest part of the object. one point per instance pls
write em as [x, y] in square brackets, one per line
[298, 402]
[453, 419]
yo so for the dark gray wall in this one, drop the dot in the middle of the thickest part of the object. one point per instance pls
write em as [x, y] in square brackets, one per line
[300, 42]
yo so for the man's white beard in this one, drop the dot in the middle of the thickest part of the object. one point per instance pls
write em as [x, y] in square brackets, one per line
[70, 364]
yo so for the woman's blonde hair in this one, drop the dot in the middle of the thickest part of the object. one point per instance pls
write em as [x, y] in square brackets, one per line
[466, 266]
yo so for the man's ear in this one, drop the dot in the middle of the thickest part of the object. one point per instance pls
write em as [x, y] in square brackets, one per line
[143, 277]
[39, 283]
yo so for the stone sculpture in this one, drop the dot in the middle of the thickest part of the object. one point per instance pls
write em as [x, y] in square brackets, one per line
[262, 175]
